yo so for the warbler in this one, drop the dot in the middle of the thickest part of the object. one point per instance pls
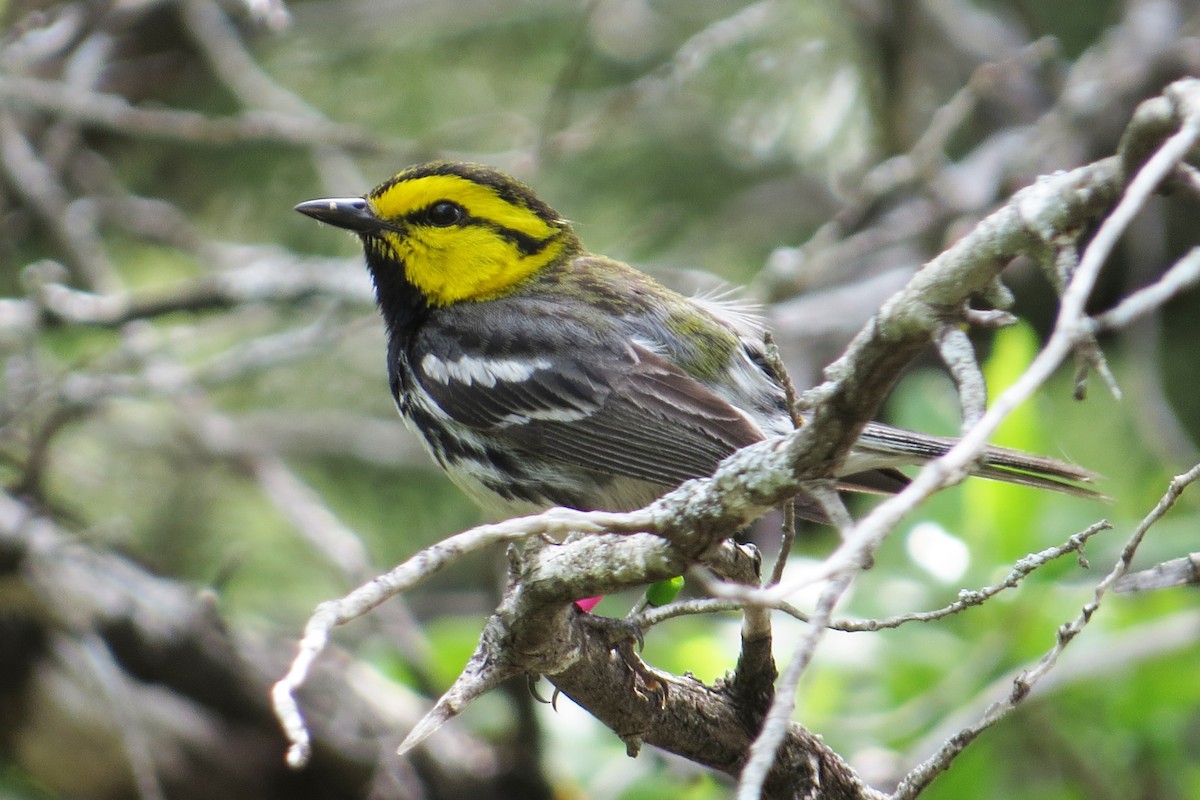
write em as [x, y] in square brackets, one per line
[538, 374]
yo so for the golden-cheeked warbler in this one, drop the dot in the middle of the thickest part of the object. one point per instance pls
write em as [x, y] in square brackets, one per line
[538, 374]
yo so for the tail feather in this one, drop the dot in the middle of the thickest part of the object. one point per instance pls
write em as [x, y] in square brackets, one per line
[884, 446]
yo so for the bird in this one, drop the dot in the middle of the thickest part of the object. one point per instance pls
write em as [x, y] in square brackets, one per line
[538, 374]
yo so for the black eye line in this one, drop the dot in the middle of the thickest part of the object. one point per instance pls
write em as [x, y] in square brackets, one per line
[528, 245]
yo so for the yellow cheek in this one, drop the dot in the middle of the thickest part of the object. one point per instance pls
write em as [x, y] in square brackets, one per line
[458, 264]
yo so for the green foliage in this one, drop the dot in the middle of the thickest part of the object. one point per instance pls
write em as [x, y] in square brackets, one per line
[453, 640]
[663, 592]
[994, 511]
[706, 648]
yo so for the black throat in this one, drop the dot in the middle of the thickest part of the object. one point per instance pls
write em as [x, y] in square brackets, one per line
[404, 311]
[401, 304]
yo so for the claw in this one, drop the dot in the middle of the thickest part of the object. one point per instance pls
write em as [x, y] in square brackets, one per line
[639, 636]
[531, 681]
[621, 635]
[643, 680]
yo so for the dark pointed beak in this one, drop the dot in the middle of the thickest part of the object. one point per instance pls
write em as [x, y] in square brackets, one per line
[351, 213]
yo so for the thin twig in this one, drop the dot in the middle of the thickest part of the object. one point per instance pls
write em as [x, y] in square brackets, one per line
[1176, 572]
[41, 189]
[920, 777]
[225, 51]
[114, 113]
[787, 537]
[958, 354]
[1071, 326]
[967, 598]
[1183, 274]
[264, 277]
[975, 597]
[856, 550]
[775, 725]
[557, 522]
[135, 739]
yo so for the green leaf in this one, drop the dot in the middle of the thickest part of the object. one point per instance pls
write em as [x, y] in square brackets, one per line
[663, 592]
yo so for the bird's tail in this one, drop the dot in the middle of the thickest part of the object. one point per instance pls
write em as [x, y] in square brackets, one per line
[881, 448]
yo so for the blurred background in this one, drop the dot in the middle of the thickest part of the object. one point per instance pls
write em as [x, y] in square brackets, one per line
[198, 445]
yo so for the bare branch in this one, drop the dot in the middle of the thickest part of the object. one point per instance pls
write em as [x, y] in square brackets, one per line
[838, 570]
[1183, 275]
[974, 597]
[134, 738]
[920, 777]
[958, 354]
[967, 598]
[30, 176]
[113, 113]
[228, 58]
[264, 276]
[1176, 572]
[413, 572]
[1068, 331]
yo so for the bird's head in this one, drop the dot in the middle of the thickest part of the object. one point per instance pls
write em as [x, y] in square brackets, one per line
[454, 232]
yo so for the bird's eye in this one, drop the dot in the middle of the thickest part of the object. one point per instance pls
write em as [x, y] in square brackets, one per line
[444, 213]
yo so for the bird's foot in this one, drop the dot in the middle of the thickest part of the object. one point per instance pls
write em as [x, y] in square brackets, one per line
[622, 636]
